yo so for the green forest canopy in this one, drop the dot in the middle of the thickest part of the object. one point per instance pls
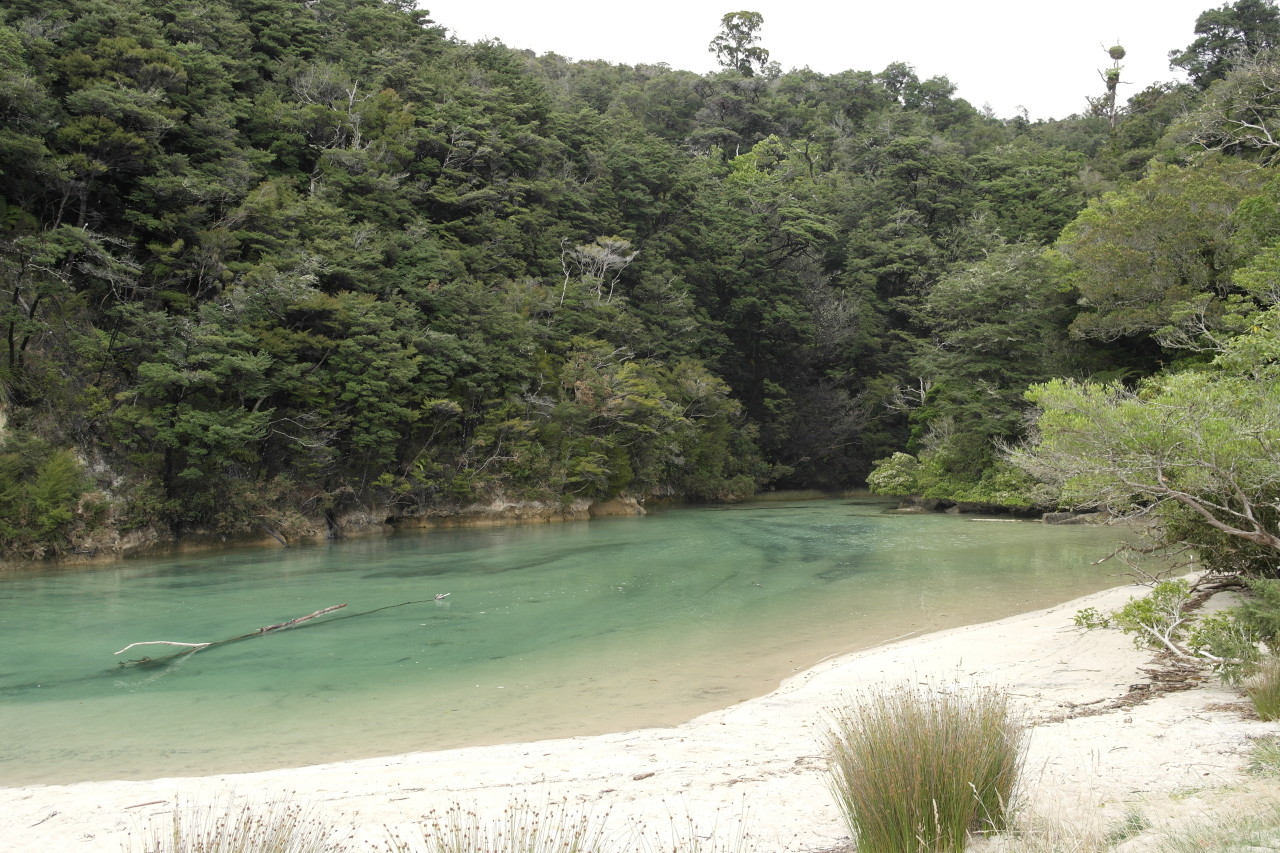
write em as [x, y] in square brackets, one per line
[272, 264]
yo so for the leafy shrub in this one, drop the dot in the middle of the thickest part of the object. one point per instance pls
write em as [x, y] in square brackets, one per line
[918, 769]
[1259, 613]
[1000, 483]
[40, 492]
[1232, 640]
[1091, 617]
[1156, 619]
[1225, 640]
[895, 475]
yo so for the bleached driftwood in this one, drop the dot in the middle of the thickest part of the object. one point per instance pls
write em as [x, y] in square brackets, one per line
[191, 648]
[297, 621]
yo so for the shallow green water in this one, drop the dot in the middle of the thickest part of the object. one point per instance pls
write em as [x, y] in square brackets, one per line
[548, 631]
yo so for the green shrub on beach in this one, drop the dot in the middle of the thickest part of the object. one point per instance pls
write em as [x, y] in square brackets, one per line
[1241, 643]
[917, 770]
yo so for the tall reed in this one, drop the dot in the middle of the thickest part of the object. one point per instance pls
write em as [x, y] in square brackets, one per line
[916, 769]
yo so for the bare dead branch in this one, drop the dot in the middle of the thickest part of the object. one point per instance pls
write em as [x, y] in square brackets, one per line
[193, 646]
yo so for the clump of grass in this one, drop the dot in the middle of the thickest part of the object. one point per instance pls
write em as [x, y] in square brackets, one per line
[522, 827]
[1264, 757]
[272, 827]
[1132, 824]
[917, 769]
[1255, 829]
[1053, 833]
[1263, 688]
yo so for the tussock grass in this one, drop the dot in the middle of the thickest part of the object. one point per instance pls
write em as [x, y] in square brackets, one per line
[1230, 826]
[916, 769]
[1263, 688]
[1133, 823]
[272, 827]
[1255, 830]
[1264, 757]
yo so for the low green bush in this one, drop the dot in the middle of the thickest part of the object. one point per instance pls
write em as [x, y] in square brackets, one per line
[41, 491]
[918, 769]
[1259, 611]
[895, 475]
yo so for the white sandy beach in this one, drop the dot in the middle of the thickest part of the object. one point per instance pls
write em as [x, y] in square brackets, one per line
[1176, 753]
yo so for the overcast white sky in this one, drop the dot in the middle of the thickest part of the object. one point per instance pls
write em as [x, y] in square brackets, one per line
[1007, 53]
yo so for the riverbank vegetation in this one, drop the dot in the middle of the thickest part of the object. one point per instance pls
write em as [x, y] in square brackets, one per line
[280, 268]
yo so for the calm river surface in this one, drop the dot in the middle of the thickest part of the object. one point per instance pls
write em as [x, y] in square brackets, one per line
[549, 631]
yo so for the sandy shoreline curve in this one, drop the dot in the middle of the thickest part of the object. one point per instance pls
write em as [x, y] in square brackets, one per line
[762, 758]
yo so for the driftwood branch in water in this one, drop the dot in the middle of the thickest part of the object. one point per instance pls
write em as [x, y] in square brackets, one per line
[195, 647]
[278, 626]
[191, 648]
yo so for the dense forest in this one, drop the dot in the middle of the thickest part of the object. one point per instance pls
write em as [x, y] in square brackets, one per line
[274, 265]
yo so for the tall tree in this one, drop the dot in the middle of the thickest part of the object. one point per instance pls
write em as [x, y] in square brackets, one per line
[1238, 114]
[735, 46]
[1198, 449]
[1146, 254]
[1105, 105]
[1226, 35]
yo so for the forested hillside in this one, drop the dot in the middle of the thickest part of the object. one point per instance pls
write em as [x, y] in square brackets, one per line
[273, 265]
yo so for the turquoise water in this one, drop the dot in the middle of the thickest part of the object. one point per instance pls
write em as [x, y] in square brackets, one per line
[548, 631]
